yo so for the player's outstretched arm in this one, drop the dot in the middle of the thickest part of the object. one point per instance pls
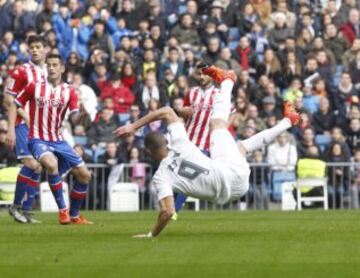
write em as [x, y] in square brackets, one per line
[167, 209]
[166, 113]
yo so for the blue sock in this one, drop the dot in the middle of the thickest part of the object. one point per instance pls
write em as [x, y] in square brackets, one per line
[31, 191]
[179, 202]
[78, 194]
[56, 188]
[22, 184]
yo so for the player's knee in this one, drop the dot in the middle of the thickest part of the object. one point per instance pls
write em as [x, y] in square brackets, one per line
[84, 176]
[38, 169]
[51, 164]
[31, 163]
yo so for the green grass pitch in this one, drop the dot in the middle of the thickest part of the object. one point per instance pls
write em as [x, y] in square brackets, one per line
[204, 244]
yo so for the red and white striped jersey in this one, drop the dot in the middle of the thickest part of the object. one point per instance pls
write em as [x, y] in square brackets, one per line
[197, 126]
[20, 78]
[48, 106]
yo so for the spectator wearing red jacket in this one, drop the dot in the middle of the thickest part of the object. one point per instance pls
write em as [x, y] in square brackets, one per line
[351, 29]
[122, 97]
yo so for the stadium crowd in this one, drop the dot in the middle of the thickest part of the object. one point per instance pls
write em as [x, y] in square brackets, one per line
[128, 57]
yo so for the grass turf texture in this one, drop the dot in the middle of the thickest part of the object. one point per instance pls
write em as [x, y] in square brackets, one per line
[205, 244]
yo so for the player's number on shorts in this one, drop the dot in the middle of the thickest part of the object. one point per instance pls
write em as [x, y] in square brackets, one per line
[191, 170]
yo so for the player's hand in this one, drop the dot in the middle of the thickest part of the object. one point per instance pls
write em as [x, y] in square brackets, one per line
[125, 130]
[10, 139]
[148, 235]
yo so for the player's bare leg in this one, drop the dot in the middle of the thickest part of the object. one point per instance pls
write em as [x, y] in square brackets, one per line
[50, 163]
[82, 179]
[263, 138]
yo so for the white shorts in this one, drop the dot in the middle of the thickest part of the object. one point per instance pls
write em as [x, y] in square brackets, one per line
[236, 170]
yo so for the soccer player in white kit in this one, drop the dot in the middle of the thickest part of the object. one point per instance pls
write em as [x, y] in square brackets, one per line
[184, 168]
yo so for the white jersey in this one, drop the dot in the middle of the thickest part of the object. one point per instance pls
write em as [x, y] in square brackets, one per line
[188, 171]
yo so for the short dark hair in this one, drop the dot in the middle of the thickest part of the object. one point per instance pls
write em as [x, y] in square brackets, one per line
[35, 39]
[54, 56]
[154, 141]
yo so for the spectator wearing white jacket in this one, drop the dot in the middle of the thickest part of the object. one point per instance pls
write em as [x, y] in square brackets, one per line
[86, 96]
[282, 154]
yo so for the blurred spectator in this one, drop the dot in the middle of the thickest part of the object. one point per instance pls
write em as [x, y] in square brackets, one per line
[227, 62]
[184, 31]
[307, 143]
[173, 63]
[148, 91]
[21, 20]
[355, 188]
[111, 157]
[246, 19]
[244, 54]
[279, 32]
[46, 14]
[282, 154]
[128, 14]
[350, 54]
[102, 131]
[338, 175]
[351, 29]
[353, 135]
[128, 76]
[263, 8]
[324, 119]
[344, 93]
[334, 42]
[290, 17]
[100, 39]
[86, 95]
[122, 97]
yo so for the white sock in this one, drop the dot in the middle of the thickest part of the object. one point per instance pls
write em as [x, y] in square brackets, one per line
[222, 102]
[266, 136]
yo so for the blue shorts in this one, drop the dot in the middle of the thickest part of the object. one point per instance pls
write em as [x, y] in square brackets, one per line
[21, 146]
[67, 157]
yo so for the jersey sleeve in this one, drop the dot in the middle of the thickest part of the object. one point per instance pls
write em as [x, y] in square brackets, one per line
[16, 82]
[73, 101]
[26, 95]
[161, 183]
[178, 137]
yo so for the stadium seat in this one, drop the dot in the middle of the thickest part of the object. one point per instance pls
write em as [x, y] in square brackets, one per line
[233, 44]
[194, 201]
[311, 182]
[81, 140]
[322, 141]
[182, 9]
[234, 34]
[278, 178]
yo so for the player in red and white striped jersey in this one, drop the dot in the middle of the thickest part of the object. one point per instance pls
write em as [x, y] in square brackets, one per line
[48, 106]
[49, 101]
[28, 178]
[198, 104]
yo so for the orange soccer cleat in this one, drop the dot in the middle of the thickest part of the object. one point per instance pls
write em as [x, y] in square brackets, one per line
[291, 114]
[218, 74]
[81, 220]
[64, 217]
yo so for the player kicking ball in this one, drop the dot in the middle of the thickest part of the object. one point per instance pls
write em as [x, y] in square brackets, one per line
[49, 101]
[184, 168]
